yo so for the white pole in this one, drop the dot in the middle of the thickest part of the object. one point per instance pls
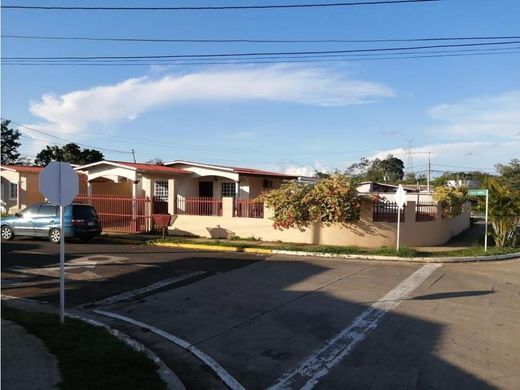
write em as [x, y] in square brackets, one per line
[62, 267]
[398, 226]
[486, 230]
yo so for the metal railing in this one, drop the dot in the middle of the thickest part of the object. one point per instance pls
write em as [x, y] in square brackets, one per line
[119, 213]
[198, 206]
[248, 208]
[425, 212]
[386, 212]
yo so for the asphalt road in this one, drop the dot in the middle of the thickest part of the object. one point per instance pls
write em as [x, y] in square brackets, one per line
[286, 323]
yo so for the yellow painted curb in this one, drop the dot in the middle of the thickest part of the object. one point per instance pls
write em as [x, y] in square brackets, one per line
[213, 247]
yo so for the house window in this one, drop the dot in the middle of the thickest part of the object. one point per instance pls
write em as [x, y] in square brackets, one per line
[268, 184]
[13, 191]
[160, 190]
[228, 190]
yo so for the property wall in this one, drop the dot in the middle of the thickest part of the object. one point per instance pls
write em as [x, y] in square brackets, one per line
[364, 233]
[6, 178]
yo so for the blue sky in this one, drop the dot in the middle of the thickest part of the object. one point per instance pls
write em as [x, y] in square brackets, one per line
[293, 117]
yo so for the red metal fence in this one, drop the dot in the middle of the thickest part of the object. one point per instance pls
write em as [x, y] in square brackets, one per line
[198, 206]
[386, 212]
[120, 213]
[425, 212]
[159, 206]
[248, 208]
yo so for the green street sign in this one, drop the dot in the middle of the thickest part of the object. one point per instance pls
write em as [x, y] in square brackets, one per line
[479, 192]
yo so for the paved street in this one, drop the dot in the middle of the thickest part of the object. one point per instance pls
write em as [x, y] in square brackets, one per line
[293, 322]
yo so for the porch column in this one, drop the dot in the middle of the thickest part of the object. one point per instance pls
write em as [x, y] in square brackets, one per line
[171, 196]
[134, 206]
[89, 191]
[237, 189]
[18, 193]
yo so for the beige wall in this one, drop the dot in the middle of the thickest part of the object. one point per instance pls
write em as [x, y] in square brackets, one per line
[365, 233]
[29, 190]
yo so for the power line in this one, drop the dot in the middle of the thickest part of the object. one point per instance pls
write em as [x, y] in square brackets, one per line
[255, 54]
[67, 140]
[230, 62]
[214, 8]
[241, 40]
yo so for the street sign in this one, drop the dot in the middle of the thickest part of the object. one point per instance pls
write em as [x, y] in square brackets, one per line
[400, 196]
[477, 192]
[482, 192]
[400, 199]
[59, 184]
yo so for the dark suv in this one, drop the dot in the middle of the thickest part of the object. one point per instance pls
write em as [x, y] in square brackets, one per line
[43, 220]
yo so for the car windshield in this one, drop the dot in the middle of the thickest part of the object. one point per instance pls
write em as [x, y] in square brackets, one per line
[84, 212]
[29, 211]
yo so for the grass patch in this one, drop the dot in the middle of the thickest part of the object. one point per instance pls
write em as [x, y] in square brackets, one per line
[89, 357]
[348, 250]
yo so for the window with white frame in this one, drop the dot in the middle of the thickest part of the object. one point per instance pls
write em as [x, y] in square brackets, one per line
[228, 190]
[160, 190]
[13, 191]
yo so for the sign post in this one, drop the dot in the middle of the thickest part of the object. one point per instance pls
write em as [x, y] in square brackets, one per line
[483, 192]
[400, 199]
[59, 184]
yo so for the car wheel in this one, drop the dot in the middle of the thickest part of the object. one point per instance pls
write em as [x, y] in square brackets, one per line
[54, 235]
[7, 233]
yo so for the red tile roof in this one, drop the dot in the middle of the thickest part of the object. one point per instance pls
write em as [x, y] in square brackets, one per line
[243, 171]
[150, 167]
[23, 168]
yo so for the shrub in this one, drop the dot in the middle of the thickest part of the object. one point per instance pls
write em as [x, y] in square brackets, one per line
[451, 200]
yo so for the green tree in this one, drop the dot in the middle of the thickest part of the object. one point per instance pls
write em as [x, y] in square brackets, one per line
[510, 174]
[71, 153]
[504, 212]
[391, 169]
[10, 143]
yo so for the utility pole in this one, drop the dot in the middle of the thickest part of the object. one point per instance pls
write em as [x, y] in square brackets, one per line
[133, 155]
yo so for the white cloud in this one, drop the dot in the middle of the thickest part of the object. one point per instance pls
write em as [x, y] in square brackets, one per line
[497, 115]
[475, 155]
[303, 169]
[110, 104]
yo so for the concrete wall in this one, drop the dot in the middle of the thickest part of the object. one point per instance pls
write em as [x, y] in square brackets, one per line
[364, 233]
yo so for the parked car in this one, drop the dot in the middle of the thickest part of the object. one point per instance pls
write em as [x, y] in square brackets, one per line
[43, 220]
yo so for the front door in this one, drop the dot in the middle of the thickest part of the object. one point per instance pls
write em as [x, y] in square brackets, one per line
[206, 189]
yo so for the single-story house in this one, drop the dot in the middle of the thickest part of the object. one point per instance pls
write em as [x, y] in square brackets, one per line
[176, 181]
[19, 187]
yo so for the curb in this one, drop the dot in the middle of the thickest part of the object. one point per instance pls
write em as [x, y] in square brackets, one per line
[453, 259]
[264, 251]
[168, 376]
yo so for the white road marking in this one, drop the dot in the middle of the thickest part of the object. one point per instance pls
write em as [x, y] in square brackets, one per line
[127, 295]
[231, 382]
[307, 374]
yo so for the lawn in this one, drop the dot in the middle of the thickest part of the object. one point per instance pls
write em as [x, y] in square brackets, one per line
[89, 357]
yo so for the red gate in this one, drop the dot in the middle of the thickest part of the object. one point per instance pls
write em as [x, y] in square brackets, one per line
[120, 213]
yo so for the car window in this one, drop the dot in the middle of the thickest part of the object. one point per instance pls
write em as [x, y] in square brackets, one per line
[84, 212]
[48, 211]
[29, 211]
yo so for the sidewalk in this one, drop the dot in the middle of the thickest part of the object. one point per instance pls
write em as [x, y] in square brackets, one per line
[26, 362]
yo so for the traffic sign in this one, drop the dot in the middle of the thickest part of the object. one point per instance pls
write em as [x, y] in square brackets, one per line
[400, 199]
[400, 196]
[59, 183]
[477, 192]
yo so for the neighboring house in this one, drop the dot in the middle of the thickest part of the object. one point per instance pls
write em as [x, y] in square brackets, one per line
[470, 183]
[19, 187]
[387, 191]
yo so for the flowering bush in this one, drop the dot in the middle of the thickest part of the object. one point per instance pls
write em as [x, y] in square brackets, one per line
[451, 199]
[331, 200]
